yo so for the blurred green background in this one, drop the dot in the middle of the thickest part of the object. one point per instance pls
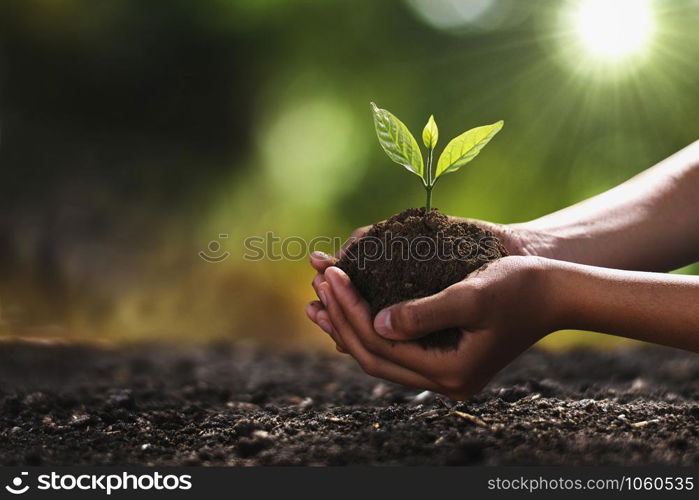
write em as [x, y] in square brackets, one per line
[134, 133]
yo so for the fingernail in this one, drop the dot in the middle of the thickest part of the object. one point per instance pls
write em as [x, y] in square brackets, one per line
[321, 294]
[325, 326]
[382, 322]
[309, 310]
[320, 255]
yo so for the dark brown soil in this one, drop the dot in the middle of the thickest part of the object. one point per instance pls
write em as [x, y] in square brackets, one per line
[411, 255]
[224, 405]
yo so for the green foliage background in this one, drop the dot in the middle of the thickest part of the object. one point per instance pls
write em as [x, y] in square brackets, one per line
[134, 133]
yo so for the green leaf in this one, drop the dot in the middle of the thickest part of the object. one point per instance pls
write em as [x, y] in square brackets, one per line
[397, 141]
[430, 134]
[464, 148]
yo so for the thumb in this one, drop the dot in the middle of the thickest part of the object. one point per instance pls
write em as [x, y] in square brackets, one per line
[416, 318]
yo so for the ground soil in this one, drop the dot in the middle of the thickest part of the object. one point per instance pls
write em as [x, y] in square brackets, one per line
[227, 405]
[412, 255]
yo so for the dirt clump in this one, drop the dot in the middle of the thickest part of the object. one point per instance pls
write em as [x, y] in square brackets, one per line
[413, 255]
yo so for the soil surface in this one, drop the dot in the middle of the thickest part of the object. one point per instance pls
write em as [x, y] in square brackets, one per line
[413, 255]
[224, 405]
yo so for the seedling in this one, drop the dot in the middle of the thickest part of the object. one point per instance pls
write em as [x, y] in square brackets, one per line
[401, 147]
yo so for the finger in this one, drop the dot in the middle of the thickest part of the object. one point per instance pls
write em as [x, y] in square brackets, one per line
[322, 320]
[370, 363]
[312, 310]
[317, 314]
[321, 260]
[326, 324]
[416, 318]
[317, 280]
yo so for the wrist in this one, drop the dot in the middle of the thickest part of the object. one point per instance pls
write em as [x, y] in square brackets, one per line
[561, 287]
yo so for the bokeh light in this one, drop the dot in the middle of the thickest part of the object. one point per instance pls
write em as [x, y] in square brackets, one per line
[450, 14]
[311, 151]
[613, 29]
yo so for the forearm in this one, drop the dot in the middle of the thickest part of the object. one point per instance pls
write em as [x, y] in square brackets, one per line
[653, 307]
[647, 223]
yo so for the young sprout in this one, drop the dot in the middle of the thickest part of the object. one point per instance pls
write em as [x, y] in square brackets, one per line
[401, 147]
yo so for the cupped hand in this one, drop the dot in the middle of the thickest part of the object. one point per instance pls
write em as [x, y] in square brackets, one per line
[502, 310]
[519, 239]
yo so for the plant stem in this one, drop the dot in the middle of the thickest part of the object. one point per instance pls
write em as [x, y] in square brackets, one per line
[430, 183]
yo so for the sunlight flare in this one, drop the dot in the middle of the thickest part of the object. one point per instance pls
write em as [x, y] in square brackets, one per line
[614, 29]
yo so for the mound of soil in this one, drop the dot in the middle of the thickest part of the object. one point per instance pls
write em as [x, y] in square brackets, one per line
[63, 404]
[413, 255]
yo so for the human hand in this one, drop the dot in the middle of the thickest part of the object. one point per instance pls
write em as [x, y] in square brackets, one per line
[519, 239]
[502, 310]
